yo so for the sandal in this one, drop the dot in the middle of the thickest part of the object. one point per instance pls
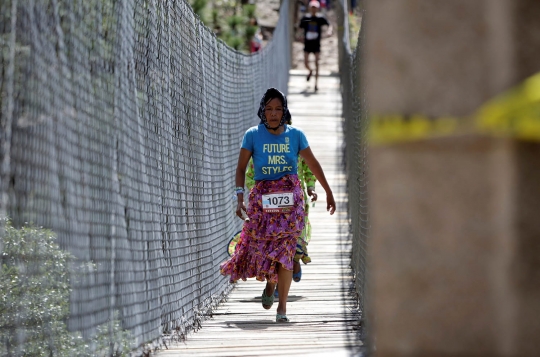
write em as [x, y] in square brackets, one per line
[282, 318]
[267, 301]
[297, 276]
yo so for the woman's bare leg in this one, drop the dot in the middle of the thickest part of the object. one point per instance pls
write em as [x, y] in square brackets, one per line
[296, 267]
[270, 288]
[284, 284]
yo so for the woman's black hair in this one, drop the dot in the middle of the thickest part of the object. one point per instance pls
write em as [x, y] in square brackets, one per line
[272, 93]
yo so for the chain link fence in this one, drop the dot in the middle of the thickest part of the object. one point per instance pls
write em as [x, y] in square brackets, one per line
[120, 128]
[355, 148]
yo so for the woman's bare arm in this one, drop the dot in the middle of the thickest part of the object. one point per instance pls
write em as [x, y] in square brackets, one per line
[317, 170]
[243, 160]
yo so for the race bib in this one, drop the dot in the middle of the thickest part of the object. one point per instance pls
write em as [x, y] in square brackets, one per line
[312, 35]
[277, 202]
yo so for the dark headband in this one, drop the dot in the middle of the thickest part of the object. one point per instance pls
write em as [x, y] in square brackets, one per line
[270, 94]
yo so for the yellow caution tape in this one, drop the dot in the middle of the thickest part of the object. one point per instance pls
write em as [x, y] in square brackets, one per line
[395, 128]
[515, 113]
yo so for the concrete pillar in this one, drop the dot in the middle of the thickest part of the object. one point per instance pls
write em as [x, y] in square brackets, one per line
[455, 247]
[455, 233]
[293, 22]
[440, 57]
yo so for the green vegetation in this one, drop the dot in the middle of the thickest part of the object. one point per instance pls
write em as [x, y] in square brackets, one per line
[230, 20]
[34, 301]
[199, 6]
[355, 21]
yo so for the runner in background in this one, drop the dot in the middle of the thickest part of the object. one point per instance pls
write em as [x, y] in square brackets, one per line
[312, 25]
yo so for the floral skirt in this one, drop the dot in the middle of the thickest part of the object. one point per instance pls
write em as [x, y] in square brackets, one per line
[268, 238]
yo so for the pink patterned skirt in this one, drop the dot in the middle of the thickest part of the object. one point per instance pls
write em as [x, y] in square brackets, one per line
[268, 238]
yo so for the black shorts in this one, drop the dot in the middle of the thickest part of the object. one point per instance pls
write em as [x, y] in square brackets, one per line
[312, 46]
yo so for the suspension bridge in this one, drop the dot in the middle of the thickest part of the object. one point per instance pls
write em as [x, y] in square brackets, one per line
[325, 319]
[120, 124]
[121, 127]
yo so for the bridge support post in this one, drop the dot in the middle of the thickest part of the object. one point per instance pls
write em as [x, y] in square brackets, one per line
[455, 231]
[455, 247]
[293, 22]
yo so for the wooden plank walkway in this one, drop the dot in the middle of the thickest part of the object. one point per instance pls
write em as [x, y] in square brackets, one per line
[324, 321]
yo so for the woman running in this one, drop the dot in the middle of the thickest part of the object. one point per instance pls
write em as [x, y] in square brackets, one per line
[276, 203]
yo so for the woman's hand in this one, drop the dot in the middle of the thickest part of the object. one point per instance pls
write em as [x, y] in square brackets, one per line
[311, 193]
[317, 170]
[330, 203]
[241, 209]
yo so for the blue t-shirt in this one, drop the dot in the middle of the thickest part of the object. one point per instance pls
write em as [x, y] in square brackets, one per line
[274, 156]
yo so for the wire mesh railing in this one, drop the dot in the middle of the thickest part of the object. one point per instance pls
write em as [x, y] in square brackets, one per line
[355, 149]
[120, 128]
